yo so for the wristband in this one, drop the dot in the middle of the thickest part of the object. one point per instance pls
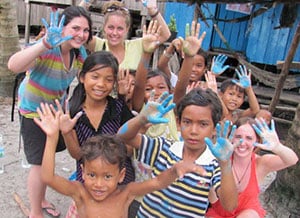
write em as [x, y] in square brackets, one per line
[155, 14]
[46, 44]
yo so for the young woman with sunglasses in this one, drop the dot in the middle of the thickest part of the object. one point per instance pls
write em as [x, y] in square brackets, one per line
[116, 26]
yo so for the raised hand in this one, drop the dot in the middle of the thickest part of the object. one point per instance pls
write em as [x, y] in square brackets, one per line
[53, 36]
[151, 37]
[223, 148]
[217, 64]
[48, 119]
[268, 135]
[192, 42]
[66, 122]
[183, 167]
[211, 81]
[244, 77]
[154, 111]
[123, 82]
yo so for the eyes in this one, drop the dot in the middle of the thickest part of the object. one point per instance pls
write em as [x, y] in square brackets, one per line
[106, 177]
[201, 124]
[77, 29]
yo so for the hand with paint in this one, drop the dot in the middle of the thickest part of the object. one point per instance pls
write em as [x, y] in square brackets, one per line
[150, 38]
[150, 4]
[192, 42]
[154, 111]
[268, 135]
[223, 148]
[244, 78]
[217, 64]
[53, 37]
[183, 167]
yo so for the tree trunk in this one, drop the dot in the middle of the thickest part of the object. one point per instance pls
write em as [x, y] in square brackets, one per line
[9, 43]
[283, 196]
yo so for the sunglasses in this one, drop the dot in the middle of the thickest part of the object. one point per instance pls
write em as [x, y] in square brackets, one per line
[116, 8]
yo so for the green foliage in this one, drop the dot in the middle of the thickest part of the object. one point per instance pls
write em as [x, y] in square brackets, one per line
[172, 25]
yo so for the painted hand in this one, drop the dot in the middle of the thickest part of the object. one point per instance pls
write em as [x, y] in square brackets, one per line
[223, 148]
[54, 31]
[184, 167]
[154, 111]
[149, 3]
[151, 37]
[217, 64]
[268, 135]
[192, 42]
[244, 78]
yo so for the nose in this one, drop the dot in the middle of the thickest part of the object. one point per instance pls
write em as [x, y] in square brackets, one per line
[194, 129]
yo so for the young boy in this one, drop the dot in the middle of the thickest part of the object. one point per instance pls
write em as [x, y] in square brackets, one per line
[233, 93]
[103, 169]
[198, 113]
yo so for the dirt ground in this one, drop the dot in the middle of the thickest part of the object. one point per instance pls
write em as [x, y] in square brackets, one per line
[14, 179]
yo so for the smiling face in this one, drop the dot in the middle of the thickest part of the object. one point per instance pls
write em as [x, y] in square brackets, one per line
[78, 27]
[115, 29]
[232, 97]
[198, 68]
[196, 123]
[157, 83]
[101, 178]
[98, 83]
[248, 135]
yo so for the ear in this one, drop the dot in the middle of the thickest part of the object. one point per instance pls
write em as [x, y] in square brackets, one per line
[83, 171]
[122, 175]
[81, 79]
[177, 121]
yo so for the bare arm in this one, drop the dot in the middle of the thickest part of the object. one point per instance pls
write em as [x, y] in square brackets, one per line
[190, 46]
[49, 123]
[165, 178]
[24, 59]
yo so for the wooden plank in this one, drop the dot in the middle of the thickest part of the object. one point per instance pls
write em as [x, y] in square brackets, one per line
[294, 65]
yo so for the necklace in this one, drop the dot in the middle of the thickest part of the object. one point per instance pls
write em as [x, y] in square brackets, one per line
[244, 173]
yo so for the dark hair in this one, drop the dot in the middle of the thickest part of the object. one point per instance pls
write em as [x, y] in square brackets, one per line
[108, 147]
[204, 54]
[103, 59]
[244, 120]
[201, 97]
[76, 11]
[228, 83]
[157, 72]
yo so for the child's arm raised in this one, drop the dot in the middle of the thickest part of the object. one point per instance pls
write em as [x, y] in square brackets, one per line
[153, 113]
[245, 82]
[222, 150]
[49, 123]
[166, 178]
[150, 43]
[190, 46]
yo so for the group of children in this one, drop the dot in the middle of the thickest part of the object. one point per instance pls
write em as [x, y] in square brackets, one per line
[199, 153]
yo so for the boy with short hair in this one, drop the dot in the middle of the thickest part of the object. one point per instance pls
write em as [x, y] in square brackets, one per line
[198, 113]
[233, 92]
[103, 169]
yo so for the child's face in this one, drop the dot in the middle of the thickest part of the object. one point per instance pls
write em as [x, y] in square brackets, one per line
[196, 123]
[101, 178]
[131, 88]
[98, 83]
[232, 98]
[198, 69]
[158, 84]
[247, 133]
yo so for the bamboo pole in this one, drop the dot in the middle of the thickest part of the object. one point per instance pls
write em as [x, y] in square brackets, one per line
[285, 70]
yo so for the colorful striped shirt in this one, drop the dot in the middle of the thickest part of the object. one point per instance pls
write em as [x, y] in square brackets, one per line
[47, 80]
[186, 197]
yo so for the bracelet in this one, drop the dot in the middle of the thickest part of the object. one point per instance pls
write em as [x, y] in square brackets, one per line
[155, 14]
[167, 55]
[46, 44]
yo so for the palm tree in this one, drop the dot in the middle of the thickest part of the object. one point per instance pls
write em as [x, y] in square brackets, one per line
[9, 43]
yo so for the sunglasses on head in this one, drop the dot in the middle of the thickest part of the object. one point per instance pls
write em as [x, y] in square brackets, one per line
[116, 8]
